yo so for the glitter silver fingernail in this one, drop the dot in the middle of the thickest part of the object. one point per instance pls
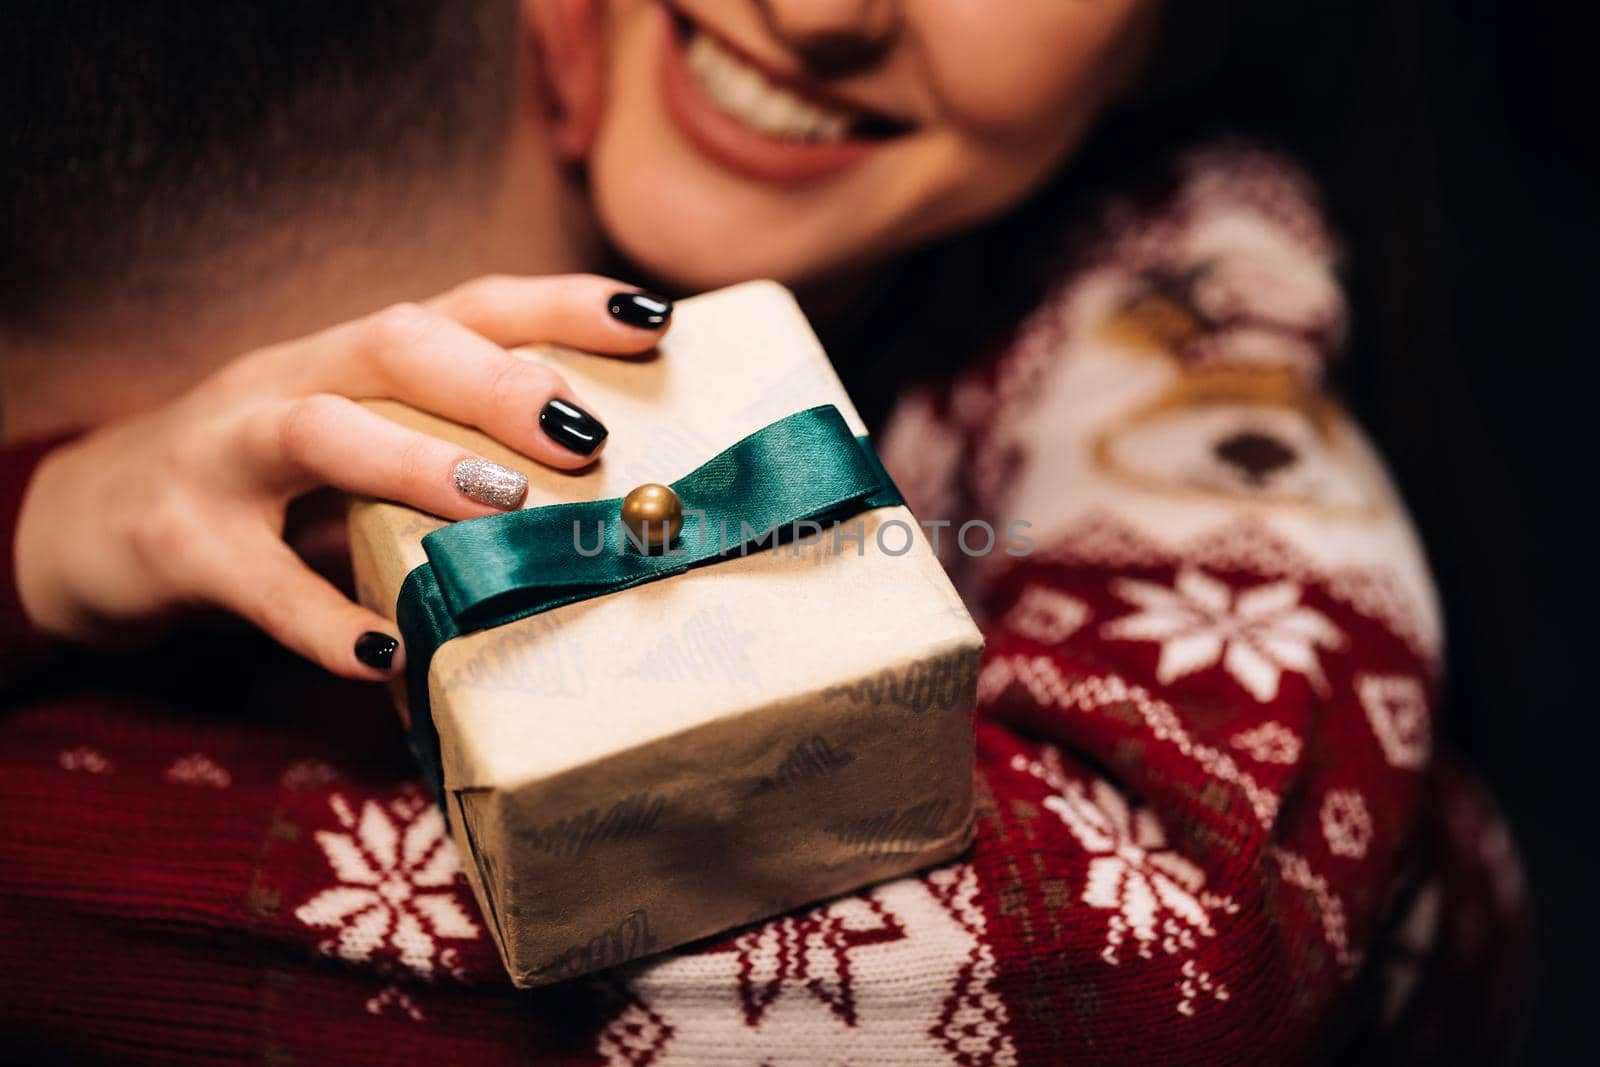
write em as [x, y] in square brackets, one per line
[489, 483]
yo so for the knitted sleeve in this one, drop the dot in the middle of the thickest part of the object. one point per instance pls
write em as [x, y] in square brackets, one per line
[1206, 703]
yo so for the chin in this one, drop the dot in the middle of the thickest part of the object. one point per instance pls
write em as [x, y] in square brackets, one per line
[679, 257]
[699, 240]
[679, 262]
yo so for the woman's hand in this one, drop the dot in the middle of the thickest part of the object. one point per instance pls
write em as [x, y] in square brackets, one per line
[184, 505]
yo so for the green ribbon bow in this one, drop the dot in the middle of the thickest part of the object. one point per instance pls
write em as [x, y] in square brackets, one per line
[482, 573]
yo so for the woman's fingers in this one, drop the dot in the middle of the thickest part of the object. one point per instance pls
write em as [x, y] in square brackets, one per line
[579, 310]
[263, 580]
[425, 359]
[447, 358]
[324, 439]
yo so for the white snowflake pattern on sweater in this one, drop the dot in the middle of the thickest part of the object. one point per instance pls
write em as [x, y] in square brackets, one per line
[1257, 634]
[396, 869]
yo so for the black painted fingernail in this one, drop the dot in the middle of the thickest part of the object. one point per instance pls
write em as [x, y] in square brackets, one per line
[647, 311]
[376, 649]
[571, 427]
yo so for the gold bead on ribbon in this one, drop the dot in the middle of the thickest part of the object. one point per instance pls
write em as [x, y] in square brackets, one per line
[653, 514]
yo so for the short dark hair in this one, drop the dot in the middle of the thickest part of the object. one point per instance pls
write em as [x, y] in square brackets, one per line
[140, 135]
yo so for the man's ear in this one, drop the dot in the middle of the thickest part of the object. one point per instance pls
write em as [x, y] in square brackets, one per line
[565, 40]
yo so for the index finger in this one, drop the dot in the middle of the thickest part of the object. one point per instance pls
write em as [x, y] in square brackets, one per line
[584, 311]
[431, 362]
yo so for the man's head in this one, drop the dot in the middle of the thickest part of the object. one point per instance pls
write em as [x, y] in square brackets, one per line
[161, 154]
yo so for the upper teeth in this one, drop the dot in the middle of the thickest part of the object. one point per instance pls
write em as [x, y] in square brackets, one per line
[746, 93]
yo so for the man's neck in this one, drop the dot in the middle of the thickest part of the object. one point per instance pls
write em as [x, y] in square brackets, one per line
[112, 361]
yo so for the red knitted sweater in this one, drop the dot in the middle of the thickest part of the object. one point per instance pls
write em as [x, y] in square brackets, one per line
[1213, 825]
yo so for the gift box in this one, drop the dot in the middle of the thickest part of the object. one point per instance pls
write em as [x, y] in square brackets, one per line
[637, 746]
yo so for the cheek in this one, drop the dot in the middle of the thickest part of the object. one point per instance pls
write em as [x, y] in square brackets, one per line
[1041, 64]
[1015, 92]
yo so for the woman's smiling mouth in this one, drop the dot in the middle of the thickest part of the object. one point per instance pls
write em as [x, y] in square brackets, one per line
[767, 125]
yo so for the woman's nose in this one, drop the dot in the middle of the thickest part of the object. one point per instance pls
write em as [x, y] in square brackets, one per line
[833, 38]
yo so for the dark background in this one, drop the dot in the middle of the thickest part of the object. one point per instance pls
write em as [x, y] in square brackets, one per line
[1498, 468]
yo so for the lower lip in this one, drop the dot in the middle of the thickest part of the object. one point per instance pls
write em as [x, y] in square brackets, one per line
[729, 142]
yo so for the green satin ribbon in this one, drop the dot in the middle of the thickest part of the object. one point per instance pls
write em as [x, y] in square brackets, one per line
[481, 573]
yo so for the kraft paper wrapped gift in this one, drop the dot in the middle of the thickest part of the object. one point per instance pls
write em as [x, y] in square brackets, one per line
[630, 772]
